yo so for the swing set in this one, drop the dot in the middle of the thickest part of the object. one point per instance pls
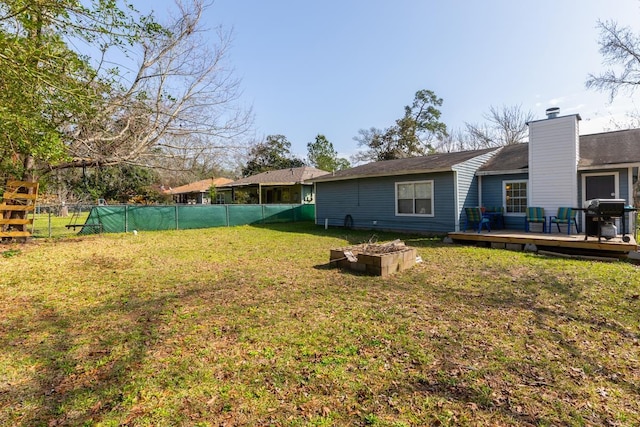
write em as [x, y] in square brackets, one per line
[77, 211]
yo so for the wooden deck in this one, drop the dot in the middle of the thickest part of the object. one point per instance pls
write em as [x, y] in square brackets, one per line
[574, 244]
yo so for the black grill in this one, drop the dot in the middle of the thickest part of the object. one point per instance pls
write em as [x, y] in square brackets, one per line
[602, 211]
[606, 208]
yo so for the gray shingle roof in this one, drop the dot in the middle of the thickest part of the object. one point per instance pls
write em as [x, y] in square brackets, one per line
[510, 158]
[596, 150]
[280, 177]
[610, 148]
[426, 164]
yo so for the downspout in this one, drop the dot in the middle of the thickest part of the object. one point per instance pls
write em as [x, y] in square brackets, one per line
[632, 222]
[456, 201]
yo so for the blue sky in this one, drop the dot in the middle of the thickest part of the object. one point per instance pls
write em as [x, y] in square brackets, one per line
[334, 67]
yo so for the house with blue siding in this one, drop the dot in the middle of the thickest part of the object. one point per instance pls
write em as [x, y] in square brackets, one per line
[556, 168]
[422, 194]
[559, 168]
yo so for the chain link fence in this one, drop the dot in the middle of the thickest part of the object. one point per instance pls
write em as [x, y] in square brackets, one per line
[60, 220]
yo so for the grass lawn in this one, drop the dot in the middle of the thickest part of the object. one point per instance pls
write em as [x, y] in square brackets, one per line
[249, 326]
[51, 225]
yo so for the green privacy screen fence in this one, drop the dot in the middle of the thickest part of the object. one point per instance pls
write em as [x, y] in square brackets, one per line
[124, 218]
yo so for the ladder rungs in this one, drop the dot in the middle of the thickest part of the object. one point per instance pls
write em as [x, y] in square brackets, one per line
[19, 196]
[24, 208]
[15, 183]
[16, 221]
[15, 234]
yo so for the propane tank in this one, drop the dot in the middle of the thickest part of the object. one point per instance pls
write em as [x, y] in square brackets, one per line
[608, 230]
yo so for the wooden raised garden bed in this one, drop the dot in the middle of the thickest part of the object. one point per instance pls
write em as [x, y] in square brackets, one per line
[375, 259]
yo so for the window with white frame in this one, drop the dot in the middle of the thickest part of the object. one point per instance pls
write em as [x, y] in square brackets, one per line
[414, 198]
[515, 197]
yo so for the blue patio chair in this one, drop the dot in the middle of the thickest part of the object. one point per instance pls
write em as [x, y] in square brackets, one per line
[475, 218]
[564, 216]
[535, 215]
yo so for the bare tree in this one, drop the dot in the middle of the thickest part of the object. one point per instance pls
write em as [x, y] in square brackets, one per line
[504, 126]
[618, 46]
[181, 101]
[456, 140]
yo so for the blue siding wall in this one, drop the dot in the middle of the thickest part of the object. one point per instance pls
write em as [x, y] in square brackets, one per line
[492, 192]
[492, 196]
[373, 199]
[468, 185]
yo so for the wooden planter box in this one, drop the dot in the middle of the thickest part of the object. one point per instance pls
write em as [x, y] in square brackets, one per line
[382, 264]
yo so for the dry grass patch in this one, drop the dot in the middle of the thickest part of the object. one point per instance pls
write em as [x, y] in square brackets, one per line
[249, 326]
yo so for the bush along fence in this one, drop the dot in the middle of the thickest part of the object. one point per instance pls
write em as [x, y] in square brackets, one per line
[126, 218]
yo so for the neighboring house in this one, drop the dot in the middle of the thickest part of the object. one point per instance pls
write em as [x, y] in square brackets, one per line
[557, 168]
[278, 186]
[196, 193]
[415, 194]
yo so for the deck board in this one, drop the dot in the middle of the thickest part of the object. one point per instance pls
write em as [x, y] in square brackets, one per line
[615, 246]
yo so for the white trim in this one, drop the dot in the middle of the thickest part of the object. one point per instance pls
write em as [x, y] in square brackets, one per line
[506, 172]
[504, 196]
[609, 166]
[428, 181]
[479, 191]
[616, 184]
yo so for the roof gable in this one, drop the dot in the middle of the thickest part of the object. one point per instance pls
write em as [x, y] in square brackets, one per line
[513, 157]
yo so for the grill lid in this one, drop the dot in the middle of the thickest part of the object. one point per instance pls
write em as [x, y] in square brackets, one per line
[605, 207]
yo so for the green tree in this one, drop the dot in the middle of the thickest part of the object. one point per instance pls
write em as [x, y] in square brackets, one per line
[120, 183]
[414, 134]
[44, 85]
[62, 108]
[322, 155]
[272, 154]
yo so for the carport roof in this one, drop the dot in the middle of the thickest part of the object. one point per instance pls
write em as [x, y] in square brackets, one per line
[198, 186]
[289, 176]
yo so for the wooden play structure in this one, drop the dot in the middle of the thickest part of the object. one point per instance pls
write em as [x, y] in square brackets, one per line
[18, 203]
